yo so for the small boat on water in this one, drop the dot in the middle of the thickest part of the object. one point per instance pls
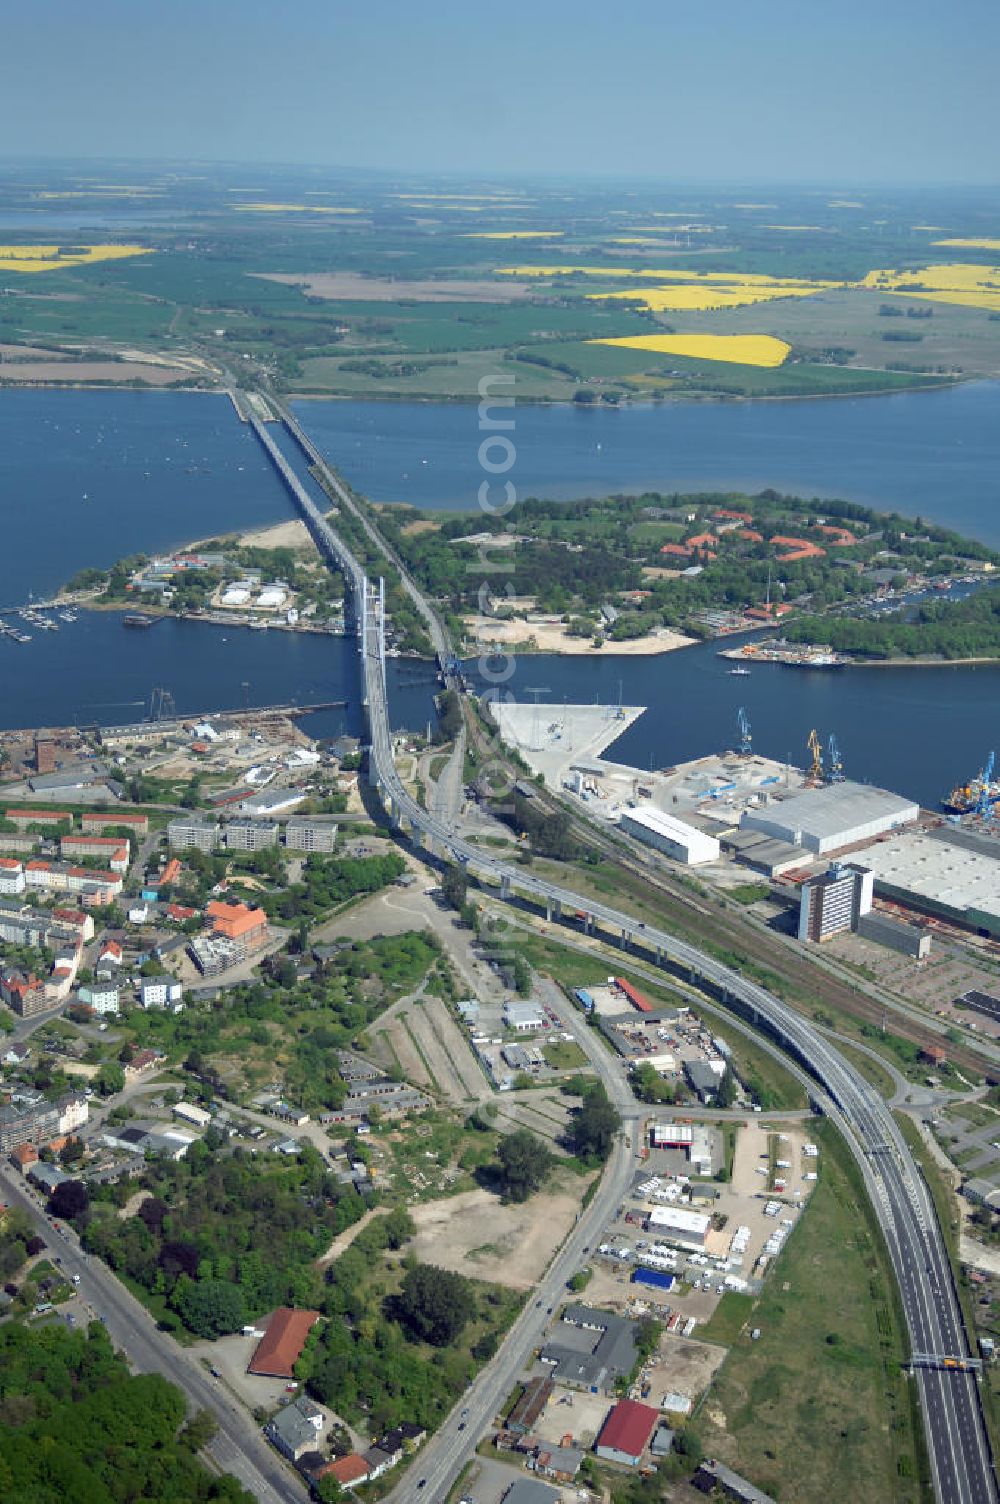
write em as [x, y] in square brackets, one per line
[137, 621]
[740, 673]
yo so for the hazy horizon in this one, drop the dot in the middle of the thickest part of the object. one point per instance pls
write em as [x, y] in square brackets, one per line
[772, 95]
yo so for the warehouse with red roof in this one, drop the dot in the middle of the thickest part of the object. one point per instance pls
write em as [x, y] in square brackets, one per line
[626, 1432]
[281, 1346]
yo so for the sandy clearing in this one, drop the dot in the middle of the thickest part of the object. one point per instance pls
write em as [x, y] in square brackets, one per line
[684, 1366]
[352, 286]
[555, 639]
[292, 534]
[414, 529]
[133, 1204]
[117, 371]
[474, 1234]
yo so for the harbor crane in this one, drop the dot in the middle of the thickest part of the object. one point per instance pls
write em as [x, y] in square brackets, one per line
[746, 736]
[815, 747]
[836, 762]
[985, 803]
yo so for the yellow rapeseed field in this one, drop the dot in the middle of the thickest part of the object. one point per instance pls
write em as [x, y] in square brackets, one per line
[681, 288]
[969, 285]
[47, 258]
[293, 209]
[738, 349]
[984, 244]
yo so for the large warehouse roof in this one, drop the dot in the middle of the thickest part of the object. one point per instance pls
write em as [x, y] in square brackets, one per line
[836, 809]
[628, 1427]
[936, 869]
[281, 1346]
[680, 1219]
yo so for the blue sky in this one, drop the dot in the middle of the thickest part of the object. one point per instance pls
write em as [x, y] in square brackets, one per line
[769, 91]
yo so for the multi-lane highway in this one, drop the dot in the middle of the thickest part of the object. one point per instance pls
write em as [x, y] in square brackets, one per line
[960, 1454]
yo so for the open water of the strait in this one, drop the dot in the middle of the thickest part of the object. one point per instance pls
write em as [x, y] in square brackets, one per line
[86, 477]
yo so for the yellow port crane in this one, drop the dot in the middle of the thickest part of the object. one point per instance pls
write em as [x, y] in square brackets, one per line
[816, 771]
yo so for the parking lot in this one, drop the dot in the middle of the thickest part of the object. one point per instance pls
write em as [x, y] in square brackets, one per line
[750, 1217]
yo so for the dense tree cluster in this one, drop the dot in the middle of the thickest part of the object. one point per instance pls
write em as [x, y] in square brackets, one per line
[967, 628]
[375, 1361]
[75, 1424]
[331, 880]
[572, 557]
[227, 1236]
[594, 1124]
[525, 1163]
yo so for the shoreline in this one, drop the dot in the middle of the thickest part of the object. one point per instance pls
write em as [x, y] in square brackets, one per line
[942, 384]
[921, 662]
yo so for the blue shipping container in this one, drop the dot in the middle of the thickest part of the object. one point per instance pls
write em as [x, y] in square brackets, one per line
[584, 998]
[656, 1277]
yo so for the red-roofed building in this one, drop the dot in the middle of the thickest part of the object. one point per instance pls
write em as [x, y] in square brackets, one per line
[75, 919]
[840, 537]
[23, 992]
[676, 550]
[800, 548]
[116, 853]
[111, 953]
[626, 1432]
[702, 540]
[346, 1470]
[747, 535]
[23, 1156]
[281, 1346]
[246, 927]
[179, 912]
[769, 612]
[728, 516]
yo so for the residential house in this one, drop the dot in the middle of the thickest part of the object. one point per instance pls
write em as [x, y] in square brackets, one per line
[160, 992]
[103, 997]
[97, 821]
[346, 1470]
[81, 924]
[296, 1428]
[23, 992]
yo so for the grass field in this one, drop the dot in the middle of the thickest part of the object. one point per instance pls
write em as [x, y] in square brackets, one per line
[193, 274]
[817, 1409]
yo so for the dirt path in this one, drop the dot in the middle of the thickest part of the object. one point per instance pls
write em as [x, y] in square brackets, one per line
[344, 1239]
[401, 1045]
[454, 1042]
[438, 1062]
